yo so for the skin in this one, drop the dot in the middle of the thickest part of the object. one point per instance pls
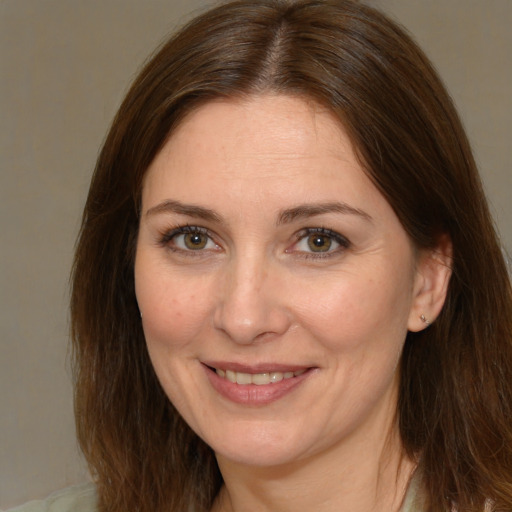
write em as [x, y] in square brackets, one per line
[257, 294]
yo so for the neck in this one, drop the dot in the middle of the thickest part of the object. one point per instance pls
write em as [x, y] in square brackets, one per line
[357, 476]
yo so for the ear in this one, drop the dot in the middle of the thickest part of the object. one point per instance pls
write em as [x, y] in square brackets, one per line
[433, 272]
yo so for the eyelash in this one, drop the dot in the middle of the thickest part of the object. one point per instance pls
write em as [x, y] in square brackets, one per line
[343, 242]
[167, 237]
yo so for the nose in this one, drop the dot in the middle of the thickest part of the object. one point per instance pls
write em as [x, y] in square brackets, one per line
[251, 306]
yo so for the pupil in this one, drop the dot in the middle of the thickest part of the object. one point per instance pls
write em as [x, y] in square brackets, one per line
[319, 242]
[195, 241]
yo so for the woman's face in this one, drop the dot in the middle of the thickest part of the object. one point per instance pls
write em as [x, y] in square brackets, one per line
[275, 282]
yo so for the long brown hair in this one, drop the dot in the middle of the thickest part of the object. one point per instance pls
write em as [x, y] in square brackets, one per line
[455, 405]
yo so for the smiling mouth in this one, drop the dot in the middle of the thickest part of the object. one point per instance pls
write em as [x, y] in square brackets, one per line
[259, 379]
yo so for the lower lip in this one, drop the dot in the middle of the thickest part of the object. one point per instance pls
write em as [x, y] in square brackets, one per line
[251, 394]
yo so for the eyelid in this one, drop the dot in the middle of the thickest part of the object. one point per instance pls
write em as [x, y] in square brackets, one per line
[341, 240]
[169, 234]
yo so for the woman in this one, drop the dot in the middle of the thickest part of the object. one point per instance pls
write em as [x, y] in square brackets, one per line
[288, 293]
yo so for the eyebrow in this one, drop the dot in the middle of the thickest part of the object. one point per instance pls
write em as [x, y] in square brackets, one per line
[311, 210]
[190, 210]
[287, 216]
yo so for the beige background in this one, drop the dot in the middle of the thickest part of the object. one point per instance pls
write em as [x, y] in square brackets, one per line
[65, 65]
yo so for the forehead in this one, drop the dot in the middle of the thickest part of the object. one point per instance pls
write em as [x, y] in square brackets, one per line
[271, 121]
[267, 137]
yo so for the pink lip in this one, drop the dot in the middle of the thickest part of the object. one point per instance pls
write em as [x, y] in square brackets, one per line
[251, 394]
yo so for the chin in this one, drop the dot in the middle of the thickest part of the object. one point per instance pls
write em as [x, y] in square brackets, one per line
[263, 456]
[259, 446]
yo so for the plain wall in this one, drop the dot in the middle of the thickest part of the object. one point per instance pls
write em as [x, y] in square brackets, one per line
[64, 67]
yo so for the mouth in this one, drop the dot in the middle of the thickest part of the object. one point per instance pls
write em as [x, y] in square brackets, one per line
[258, 384]
[258, 379]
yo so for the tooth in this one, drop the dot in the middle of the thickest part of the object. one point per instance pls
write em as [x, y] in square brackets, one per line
[261, 378]
[276, 376]
[243, 378]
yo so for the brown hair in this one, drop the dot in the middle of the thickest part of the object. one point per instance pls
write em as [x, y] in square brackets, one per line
[455, 404]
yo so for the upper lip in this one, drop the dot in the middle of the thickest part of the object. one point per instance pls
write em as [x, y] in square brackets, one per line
[255, 368]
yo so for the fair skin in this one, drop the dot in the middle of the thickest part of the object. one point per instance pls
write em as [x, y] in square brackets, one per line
[266, 253]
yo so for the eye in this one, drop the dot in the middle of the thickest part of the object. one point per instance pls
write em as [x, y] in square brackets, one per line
[320, 241]
[192, 241]
[189, 238]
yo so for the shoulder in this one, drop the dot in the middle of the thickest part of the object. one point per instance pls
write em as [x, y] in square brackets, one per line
[78, 498]
[413, 499]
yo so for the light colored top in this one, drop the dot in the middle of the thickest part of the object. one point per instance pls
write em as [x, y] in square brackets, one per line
[82, 498]
[78, 498]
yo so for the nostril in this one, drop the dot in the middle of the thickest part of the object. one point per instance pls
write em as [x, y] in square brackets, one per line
[258, 325]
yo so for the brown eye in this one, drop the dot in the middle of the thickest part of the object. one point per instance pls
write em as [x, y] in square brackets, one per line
[195, 241]
[319, 243]
[188, 239]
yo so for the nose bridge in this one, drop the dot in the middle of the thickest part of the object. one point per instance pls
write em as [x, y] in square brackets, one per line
[249, 304]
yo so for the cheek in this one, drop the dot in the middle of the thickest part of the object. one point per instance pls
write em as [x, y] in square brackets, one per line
[349, 313]
[173, 310]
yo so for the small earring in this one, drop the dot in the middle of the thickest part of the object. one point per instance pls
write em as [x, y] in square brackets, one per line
[425, 320]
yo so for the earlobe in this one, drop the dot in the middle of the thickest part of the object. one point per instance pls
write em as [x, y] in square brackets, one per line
[433, 272]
